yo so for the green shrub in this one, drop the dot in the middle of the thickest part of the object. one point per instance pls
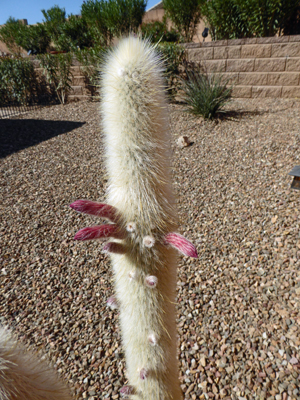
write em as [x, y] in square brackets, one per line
[174, 56]
[233, 19]
[10, 33]
[124, 16]
[158, 32]
[54, 18]
[91, 60]
[225, 19]
[57, 70]
[34, 38]
[74, 33]
[107, 19]
[17, 81]
[205, 94]
[185, 14]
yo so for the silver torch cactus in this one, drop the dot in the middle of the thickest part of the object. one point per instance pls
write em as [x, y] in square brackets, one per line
[141, 216]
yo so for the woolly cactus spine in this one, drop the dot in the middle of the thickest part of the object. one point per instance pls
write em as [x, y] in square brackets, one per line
[143, 218]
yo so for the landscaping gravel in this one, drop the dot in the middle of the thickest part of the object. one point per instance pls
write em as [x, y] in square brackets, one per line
[238, 303]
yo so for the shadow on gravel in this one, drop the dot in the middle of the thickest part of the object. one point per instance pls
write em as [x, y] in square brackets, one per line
[17, 134]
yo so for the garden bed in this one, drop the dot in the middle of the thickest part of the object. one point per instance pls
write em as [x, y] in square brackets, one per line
[238, 304]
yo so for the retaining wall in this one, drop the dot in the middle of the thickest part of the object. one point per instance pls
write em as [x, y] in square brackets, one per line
[258, 67]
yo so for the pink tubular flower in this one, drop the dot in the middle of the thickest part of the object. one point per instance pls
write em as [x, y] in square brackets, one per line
[99, 232]
[181, 243]
[94, 208]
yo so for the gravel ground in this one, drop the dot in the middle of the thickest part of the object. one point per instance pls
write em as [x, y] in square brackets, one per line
[238, 304]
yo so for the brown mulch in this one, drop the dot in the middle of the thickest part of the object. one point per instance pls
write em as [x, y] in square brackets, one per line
[238, 304]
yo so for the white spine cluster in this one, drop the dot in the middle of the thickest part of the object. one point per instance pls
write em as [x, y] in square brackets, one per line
[137, 146]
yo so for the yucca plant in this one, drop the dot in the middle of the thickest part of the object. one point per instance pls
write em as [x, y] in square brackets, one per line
[205, 94]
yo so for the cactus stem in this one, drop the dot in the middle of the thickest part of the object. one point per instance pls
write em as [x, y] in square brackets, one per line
[148, 241]
[151, 281]
[181, 244]
[94, 208]
[99, 232]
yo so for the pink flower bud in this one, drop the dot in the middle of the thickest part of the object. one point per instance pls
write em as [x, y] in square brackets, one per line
[181, 243]
[113, 247]
[151, 281]
[99, 232]
[112, 303]
[93, 208]
[144, 373]
[127, 391]
[148, 241]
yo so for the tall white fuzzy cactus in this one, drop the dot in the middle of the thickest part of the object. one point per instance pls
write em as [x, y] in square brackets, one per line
[142, 218]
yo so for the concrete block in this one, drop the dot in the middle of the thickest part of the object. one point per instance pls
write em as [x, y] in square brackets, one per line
[214, 65]
[269, 65]
[273, 39]
[76, 70]
[283, 78]
[242, 65]
[76, 90]
[266, 91]
[78, 81]
[250, 40]
[235, 42]
[227, 52]
[242, 91]
[286, 49]
[253, 79]
[215, 43]
[256, 51]
[294, 38]
[200, 54]
[293, 64]
[290, 91]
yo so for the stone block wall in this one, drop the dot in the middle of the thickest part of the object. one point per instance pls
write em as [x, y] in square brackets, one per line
[258, 67]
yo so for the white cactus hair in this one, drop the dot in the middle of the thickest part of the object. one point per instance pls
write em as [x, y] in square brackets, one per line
[137, 144]
[142, 213]
[24, 376]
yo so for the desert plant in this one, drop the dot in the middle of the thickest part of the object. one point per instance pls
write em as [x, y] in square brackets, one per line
[91, 59]
[141, 211]
[185, 15]
[57, 70]
[54, 18]
[205, 94]
[174, 57]
[10, 33]
[94, 13]
[124, 16]
[17, 81]
[225, 19]
[34, 39]
[158, 31]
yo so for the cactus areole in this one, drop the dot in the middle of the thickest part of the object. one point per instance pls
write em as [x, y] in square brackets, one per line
[142, 218]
